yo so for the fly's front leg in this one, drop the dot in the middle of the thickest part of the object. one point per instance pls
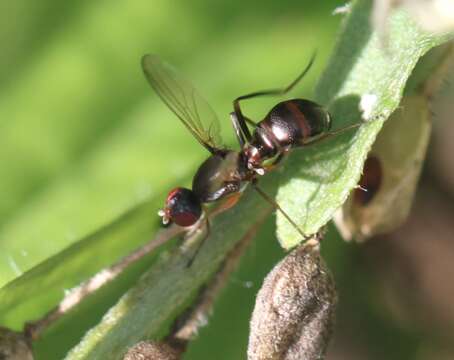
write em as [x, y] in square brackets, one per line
[238, 126]
[276, 161]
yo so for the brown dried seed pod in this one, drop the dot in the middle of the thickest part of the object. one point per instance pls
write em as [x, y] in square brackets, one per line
[152, 351]
[294, 310]
[14, 345]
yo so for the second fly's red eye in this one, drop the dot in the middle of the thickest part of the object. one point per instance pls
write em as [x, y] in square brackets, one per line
[183, 207]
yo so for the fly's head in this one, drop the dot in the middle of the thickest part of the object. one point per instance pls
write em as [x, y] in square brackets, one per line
[182, 207]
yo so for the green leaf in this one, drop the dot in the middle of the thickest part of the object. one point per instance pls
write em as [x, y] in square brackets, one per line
[314, 182]
[318, 179]
[84, 139]
[102, 174]
[170, 284]
[41, 288]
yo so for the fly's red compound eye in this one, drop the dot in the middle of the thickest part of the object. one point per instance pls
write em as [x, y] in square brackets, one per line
[183, 207]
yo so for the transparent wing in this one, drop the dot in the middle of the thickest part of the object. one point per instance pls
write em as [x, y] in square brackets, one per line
[184, 100]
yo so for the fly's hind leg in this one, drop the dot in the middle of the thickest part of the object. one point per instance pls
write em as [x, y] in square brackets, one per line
[333, 133]
[242, 121]
[274, 204]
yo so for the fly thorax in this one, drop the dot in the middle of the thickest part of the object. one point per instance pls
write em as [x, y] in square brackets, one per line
[218, 176]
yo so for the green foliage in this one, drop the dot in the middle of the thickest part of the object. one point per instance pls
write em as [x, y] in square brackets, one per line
[167, 287]
[84, 140]
[320, 178]
[89, 141]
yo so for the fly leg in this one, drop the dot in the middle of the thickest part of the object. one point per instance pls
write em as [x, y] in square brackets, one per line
[241, 130]
[273, 203]
[277, 160]
[227, 204]
[240, 122]
[334, 133]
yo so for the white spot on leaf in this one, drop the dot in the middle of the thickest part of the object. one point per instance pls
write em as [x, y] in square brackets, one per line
[343, 9]
[367, 105]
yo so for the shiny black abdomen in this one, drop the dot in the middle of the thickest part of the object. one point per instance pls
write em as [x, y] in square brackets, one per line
[294, 122]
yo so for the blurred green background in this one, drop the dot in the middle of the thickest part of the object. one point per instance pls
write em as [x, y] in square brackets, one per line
[83, 139]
